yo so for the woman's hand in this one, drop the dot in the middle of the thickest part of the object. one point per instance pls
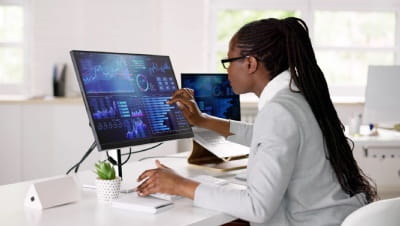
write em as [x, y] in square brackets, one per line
[164, 180]
[184, 98]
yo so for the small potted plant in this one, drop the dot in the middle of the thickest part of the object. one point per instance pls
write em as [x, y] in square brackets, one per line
[107, 184]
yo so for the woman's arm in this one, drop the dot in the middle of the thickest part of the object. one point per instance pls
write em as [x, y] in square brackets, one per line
[270, 173]
[184, 98]
[165, 180]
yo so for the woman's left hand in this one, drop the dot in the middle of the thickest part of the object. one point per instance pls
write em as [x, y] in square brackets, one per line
[164, 180]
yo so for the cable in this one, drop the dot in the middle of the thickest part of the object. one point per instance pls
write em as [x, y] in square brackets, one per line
[91, 148]
[129, 156]
[77, 165]
[115, 163]
[146, 149]
[112, 160]
[153, 157]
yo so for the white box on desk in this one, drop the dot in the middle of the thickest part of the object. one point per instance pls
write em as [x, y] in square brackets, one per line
[53, 192]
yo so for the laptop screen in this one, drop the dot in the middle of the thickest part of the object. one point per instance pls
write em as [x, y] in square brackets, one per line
[213, 94]
[125, 97]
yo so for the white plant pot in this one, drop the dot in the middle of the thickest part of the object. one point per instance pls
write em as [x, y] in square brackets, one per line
[108, 190]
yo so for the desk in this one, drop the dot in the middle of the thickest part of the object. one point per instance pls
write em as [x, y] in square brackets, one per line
[379, 158]
[89, 211]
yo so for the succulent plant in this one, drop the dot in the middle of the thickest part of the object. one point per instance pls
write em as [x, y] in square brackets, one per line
[105, 170]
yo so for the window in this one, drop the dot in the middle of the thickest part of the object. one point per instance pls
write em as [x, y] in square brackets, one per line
[352, 41]
[11, 46]
[229, 21]
[347, 36]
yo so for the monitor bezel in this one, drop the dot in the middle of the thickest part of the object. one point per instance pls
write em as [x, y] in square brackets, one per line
[119, 145]
[211, 74]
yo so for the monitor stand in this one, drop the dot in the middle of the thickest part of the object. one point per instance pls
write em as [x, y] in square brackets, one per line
[115, 159]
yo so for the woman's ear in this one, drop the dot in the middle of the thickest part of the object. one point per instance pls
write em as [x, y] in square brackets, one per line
[253, 64]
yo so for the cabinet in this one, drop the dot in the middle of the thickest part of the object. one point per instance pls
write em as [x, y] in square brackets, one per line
[53, 137]
[379, 158]
[42, 138]
[10, 149]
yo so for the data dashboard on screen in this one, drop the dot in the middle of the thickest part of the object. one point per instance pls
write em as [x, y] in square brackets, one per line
[213, 94]
[125, 97]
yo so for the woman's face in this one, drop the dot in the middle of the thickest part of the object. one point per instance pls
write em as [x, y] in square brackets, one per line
[238, 75]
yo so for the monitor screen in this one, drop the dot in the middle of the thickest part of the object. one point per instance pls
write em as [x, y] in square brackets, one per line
[213, 94]
[125, 97]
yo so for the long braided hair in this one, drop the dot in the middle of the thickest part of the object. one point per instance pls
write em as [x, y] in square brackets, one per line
[285, 44]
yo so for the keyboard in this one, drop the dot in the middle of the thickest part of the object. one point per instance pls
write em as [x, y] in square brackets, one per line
[205, 179]
[210, 180]
[242, 176]
[167, 197]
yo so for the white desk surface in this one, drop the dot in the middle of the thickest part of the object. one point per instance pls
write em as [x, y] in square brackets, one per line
[89, 211]
[385, 137]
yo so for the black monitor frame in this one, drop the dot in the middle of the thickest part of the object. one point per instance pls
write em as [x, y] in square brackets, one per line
[117, 145]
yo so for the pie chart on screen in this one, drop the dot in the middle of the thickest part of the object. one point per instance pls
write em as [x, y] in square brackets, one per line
[142, 83]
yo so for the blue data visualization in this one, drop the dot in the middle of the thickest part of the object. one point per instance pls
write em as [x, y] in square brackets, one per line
[213, 94]
[126, 98]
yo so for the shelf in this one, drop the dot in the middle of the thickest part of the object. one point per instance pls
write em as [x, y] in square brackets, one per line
[40, 100]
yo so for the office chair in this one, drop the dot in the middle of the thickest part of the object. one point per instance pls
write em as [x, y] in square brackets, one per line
[384, 212]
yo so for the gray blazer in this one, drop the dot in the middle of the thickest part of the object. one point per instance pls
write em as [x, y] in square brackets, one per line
[289, 179]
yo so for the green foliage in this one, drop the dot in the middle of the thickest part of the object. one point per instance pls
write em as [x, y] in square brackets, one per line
[105, 170]
[345, 43]
[230, 20]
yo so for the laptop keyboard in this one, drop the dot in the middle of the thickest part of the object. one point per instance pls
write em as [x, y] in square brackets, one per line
[218, 145]
[211, 138]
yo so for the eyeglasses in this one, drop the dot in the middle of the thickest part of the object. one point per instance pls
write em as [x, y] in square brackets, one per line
[226, 62]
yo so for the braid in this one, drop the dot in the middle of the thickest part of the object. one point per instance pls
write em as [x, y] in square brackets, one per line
[285, 44]
[263, 42]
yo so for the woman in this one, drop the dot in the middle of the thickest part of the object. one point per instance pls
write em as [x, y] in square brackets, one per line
[301, 170]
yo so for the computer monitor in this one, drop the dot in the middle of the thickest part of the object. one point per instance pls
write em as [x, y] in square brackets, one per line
[382, 96]
[125, 97]
[213, 94]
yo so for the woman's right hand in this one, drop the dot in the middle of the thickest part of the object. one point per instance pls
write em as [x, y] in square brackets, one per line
[184, 99]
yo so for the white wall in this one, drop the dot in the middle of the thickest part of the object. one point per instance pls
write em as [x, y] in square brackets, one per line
[184, 29]
[348, 111]
[59, 26]
[10, 136]
[175, 27]
[42, 138]
[178, 28]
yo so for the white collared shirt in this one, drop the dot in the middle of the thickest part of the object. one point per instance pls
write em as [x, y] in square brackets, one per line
[275, 85]
[289, 179]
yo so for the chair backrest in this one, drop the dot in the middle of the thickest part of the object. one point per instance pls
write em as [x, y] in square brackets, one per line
[384, 212]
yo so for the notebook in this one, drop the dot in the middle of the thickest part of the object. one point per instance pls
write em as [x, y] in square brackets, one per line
[214, 96]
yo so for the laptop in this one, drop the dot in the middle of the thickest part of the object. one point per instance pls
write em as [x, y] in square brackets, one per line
[214, 96]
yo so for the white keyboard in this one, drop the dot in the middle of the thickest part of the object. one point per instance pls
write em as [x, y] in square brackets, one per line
[210, 180]
[242, 176]
[205, 179]
[166, 196]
